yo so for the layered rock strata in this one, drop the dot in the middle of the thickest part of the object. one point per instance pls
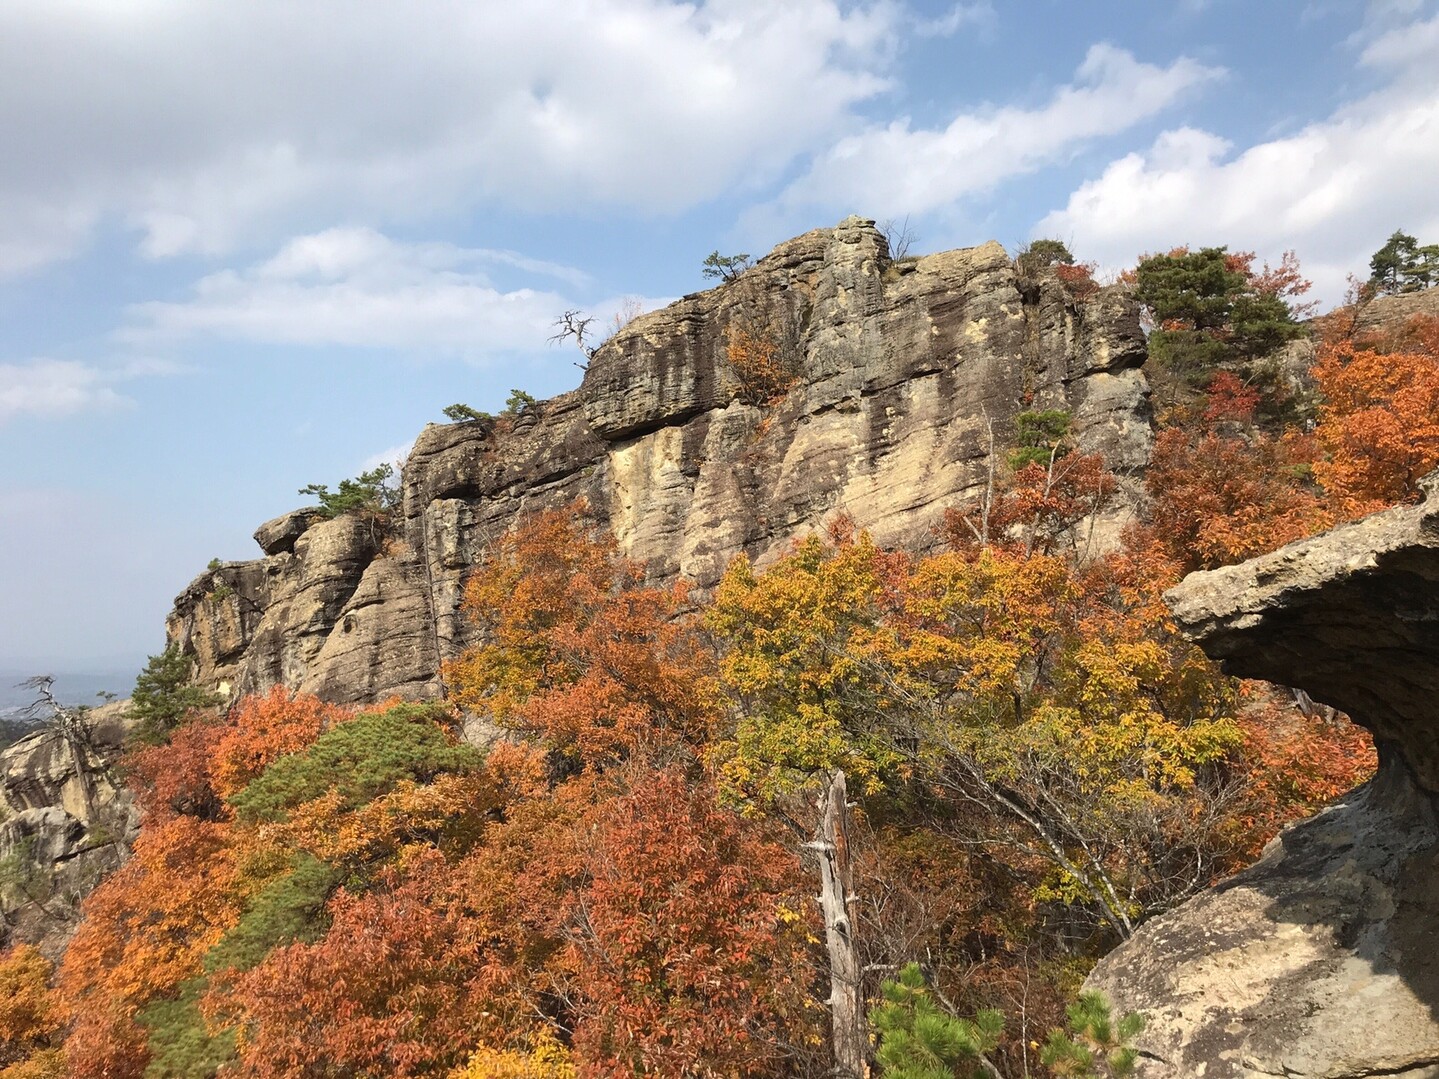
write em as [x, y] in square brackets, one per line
[906, 375]
[1323, 959]
[67, 822]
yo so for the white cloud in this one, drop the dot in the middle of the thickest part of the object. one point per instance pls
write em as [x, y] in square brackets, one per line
[895, 169]
[356, 287]
[1332, 191]
[395, 457]
[50, 389]
[979, 15]
[210, 126]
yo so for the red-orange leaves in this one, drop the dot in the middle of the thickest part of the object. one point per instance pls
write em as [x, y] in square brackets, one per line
[1379, 423]
[145, 931]
[263, 729]
[175, 778]
[1294, 763]
[1038, 509]
[147, 926]
[685, 939]
[578, 651]
[383, 993]
[1216, 500]
[1229, 400]
[31, 1018]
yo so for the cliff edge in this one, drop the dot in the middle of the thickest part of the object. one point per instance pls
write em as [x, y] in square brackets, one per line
[901, 371]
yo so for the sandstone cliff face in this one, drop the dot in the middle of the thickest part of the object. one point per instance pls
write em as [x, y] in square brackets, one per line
[67, 822]
[1323, 959]
[901, 369]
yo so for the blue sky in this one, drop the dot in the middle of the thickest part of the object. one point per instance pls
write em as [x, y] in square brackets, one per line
[248, 247]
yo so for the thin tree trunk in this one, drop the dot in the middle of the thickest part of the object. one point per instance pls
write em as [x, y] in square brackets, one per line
[831, 845]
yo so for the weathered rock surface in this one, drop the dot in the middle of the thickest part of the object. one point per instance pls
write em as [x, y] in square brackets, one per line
[67, 822]
[1388, 314]
[278, 536]
[1351, 617]
[1323, 959]
[901, 369]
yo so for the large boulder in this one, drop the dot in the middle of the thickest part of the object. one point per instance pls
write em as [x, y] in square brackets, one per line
[1323, 959]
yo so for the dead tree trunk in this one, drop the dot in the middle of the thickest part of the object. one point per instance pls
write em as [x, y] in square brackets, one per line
[74, 730]
[831, 847]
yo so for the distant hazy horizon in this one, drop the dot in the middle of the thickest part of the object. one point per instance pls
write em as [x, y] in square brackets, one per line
[71, 687]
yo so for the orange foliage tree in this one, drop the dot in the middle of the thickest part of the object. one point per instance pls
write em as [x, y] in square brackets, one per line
[32, 1019]
[577, 650]
[175, 778]
[1379, 421]
[1217, 499]
[146, 930]
[1294, 762]
[384, 992]
[1039, 508]
[684, 935]
[1056, 696]
[756, 357]
[263, 729]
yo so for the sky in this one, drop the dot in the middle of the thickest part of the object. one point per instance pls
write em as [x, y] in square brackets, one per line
[249, 247]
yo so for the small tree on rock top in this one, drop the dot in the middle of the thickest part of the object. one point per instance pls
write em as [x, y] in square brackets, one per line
[725, 267]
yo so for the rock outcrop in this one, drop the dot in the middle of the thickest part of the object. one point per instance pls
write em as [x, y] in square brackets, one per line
[67, 822]
[905, 376]
[1323, 959]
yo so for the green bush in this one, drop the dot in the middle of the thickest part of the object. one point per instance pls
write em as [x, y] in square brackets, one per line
[1038, 436]
[725, 267]
[518, 402]
[286, 910]
[361, 759]
[466, 414]
[918, 1040]
[180, 1043]
[1095, 1045]
[1038, 254]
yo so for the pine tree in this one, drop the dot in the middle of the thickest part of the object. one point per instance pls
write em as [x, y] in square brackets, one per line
[163, 696]
[919, 1040]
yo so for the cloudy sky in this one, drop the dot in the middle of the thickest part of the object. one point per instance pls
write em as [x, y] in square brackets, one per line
[246, 247]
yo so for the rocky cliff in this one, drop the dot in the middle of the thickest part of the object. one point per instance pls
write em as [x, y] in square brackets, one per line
[1323, 959]
[901, 371]
[65, 822]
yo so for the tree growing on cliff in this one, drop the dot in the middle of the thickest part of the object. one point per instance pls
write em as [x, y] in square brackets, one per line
[725, 268]
[1210, 306]
[371, 492]
[1212, 310]
[163, 696]
[1402, 265]
[1037, 254]
[579, 652]
[459, 413]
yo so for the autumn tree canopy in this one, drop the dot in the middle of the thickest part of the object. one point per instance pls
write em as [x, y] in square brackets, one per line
[623, 883]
